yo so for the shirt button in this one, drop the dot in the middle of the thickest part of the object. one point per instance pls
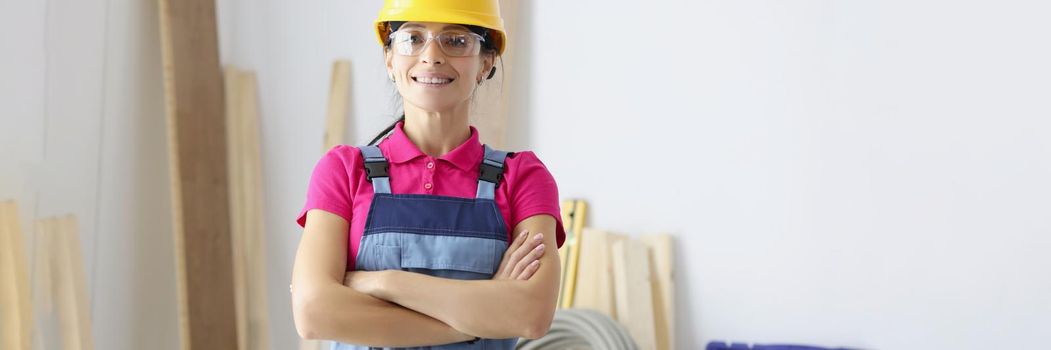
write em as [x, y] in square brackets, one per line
[430, 165]
[427, 186]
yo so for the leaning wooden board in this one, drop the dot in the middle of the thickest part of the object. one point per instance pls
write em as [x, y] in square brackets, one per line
[60, 281]
[71, 294]
[579, 214]
[16, 315]
[567, 206]
[574, 212]
[247, 233]
[661, 258]
[595, 272]
[43, 295]
[254, 238]
[632, 280]
[338, 106]
[197, 145]
[233, 114]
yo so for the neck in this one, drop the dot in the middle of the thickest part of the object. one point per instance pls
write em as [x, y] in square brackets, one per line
[436, 133]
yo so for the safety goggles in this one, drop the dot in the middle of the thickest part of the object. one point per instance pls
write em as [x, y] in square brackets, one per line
[456, 43]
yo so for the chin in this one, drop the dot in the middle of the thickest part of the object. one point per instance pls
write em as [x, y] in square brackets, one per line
[432, 104]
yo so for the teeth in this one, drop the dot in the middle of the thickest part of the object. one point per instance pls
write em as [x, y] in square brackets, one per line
[433, 80]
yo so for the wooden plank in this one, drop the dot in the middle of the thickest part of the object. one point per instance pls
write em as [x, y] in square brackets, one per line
[338, 106]
[610, 241]
[73, 311]
[594, 273]
[254, 242]
[247, 233]
[43, 289]
[489, 115]
[231, 87]
[16, 314]
[661, 258]
[197, 146]
[567, 206]
[579, 218]
[631, 279]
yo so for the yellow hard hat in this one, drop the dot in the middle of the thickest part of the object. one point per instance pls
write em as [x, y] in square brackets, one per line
[482, 13]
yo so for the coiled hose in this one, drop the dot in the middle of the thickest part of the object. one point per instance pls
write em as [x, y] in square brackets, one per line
[581, 329]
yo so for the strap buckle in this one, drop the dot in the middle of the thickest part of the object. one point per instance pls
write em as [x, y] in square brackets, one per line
[491, 173]
[376, 169]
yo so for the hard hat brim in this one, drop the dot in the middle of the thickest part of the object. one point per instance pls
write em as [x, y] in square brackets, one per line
[494, 23]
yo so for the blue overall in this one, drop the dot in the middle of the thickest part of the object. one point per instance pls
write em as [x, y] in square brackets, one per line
[448, 237]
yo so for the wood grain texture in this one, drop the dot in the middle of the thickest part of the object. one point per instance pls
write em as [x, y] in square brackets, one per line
[255, 231]
[595, 273]
[60, 282]
[71, 294]
[566, 208]
[663, 291]
[247, 232]
[197, 145]
[43, 292]
[338, 106]
[631, 278]
[580, 210]
[231, 87]
[16, 314]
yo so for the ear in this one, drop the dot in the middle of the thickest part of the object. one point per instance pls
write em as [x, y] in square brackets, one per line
[389, 61]
[488, 61]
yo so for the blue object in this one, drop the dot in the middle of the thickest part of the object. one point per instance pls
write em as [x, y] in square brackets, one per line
[441, 236]
[720, 345]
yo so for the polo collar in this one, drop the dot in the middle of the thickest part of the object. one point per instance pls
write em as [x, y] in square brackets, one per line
[466, 156]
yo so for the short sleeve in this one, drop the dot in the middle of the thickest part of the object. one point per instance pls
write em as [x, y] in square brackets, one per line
[533, 191]
[329, 187]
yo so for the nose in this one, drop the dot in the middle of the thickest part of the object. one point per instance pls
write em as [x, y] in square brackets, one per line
[432, 53]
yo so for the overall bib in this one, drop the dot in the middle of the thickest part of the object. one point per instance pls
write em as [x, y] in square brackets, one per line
[448, 237]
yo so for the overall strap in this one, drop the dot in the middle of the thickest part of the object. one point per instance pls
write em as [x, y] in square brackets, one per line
[491, 172]
[376, 168]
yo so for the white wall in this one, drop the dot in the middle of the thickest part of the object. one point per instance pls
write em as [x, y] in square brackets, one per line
[871, 174]
[82, 133]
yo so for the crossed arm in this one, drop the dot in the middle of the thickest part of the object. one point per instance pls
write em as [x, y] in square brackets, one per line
[401, 309]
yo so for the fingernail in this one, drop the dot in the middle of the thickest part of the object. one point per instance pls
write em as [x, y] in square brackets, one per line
[523, 233]
[539, 247]
[538, 236]
[534, 262]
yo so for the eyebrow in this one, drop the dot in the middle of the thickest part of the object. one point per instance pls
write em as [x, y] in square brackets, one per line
[450, 26]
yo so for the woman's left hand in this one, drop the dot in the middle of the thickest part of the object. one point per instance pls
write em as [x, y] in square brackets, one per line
[522, 258]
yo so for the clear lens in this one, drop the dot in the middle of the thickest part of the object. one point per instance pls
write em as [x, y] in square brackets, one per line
[408, 42]
[411, 42]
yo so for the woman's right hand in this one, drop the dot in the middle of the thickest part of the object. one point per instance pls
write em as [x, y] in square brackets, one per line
[522, 257]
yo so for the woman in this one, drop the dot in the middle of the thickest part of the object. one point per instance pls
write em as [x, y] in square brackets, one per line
[408, 243]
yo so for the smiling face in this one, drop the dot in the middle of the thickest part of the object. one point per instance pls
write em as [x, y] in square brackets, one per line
[433, 80]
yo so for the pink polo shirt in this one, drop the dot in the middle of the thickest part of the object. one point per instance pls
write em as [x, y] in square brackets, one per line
[338, 184]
